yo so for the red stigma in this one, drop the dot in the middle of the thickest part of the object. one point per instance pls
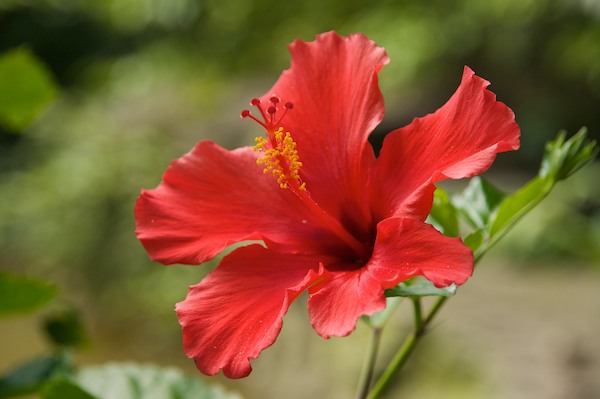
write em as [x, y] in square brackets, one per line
[271, 115]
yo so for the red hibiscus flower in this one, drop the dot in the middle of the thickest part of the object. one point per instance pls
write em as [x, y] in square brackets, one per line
[333, 219]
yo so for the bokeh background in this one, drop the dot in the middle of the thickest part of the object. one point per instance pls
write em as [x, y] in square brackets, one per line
[139, 82]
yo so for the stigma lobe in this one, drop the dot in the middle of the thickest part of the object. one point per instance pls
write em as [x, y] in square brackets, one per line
[272, 113]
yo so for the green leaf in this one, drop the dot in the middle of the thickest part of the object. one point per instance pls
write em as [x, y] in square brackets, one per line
[478, 201]
[474, 240]
[19, 294]
[422, 287]
[133, 381]
[26, 88]
[563, 158]
[29, 377]
[519, 203]
[65, 328]
[64, 389]
[443, 215]
[495, 214]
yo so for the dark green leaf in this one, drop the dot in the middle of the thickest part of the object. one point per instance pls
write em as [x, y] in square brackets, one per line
[132, 381]
[443, 215]
[26, 88]
[20, 294]
[64, 389]
[65, 328]
[478, 201]
[29, 377]
[422, 287]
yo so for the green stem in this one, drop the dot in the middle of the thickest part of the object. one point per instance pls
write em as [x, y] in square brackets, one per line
[369, 365]
[417, 313]
[408, 346]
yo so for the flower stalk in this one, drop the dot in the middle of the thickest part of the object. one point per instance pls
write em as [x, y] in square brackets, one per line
[369, 365]
[408, 346]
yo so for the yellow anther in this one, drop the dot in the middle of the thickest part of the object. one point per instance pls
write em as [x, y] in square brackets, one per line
[281, 159]
[260, 144]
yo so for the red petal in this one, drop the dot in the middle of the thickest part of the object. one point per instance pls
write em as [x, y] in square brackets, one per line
[404, 248]
[336, 303]
[236, 311]
[211, 198]
[333, 85]
[408, 247]
[459, 140]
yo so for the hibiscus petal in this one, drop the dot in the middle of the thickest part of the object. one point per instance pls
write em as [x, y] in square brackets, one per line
[333, 85]
[336, 303]
[404, 248]
[459, 140]
[236, 311]
[211, 198]
[408, 247]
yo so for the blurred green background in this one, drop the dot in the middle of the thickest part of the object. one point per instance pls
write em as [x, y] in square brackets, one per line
[125, 86]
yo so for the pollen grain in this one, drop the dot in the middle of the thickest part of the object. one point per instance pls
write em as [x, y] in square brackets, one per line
[280, 157]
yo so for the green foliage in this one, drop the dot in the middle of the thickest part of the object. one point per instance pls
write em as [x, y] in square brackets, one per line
[492, 214]
[52, 378]
[31, 376]
[477, 202]
[64, 389]
[518, 204]
[65, 329]
[134, 381]
[561, 159]
[575, 207]
[420, 287]
[26, 88]
[443, 214]
[19, 294]
[565, 157]
[131, 381]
